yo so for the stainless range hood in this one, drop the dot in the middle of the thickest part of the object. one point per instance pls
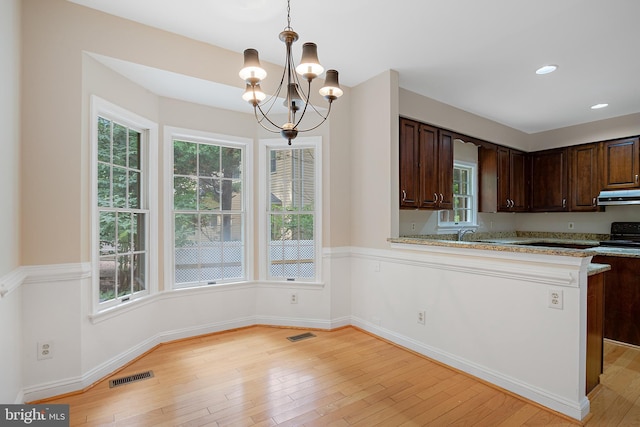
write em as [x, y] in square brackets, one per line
[619, 197]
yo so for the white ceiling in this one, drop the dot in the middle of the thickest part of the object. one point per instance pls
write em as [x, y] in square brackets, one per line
[477, 55]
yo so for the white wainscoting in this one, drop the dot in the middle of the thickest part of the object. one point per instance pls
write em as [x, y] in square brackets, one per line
[486, 313]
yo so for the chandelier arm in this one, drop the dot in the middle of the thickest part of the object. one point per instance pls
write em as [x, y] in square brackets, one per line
[324, 119]
[265, 117]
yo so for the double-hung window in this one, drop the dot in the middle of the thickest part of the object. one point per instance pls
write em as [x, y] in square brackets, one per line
[122, 216]
[464, 198]
[291, 201]
[209, 211]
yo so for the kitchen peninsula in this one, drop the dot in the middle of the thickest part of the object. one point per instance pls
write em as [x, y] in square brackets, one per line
[526, 318]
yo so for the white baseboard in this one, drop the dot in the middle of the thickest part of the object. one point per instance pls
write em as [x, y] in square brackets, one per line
[576, 410]
[69, 385]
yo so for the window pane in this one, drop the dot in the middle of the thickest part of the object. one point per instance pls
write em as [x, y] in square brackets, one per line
[119, 187]
[138, 230]
[139, 272]
[124, 232]
[124, 275]
[119, 145]
[184, 193]
[210, 228]
[134, 149]
[209, 193]
[104, 140]
[104, 185]
[186, 227]
[107, 284]
[209, 159]
[232, 162]
[134, 190]
[107, 233]
[184, 158]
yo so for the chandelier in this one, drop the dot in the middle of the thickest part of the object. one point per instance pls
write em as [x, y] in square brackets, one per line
[297, 94]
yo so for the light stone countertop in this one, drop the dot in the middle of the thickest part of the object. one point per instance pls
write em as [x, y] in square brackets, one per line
[519, 242]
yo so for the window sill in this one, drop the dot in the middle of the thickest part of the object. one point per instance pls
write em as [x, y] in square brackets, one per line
[138, 303]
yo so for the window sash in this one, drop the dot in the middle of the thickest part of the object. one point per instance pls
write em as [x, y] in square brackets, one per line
[291, 206]
[121, 248]
[464, 198]
[209, 218]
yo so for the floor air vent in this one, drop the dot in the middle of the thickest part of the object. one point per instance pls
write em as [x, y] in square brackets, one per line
[301, 337]
[130, 379]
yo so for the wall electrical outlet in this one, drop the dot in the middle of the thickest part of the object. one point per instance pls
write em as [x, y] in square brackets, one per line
[293, 298]
[413, 226]
[555, 299]
[45, 350]
[422, 317]
[571, 225]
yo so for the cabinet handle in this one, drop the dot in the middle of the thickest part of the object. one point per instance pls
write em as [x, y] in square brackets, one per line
[593, 203]
[564, 203]
[435, 198]
[404, 195]
[441, 198]
[636, 179]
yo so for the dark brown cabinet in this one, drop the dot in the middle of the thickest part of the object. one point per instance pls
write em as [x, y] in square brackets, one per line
[426, 166]
[595, 322]
[503, 179]
[621, 299]
[549, 180]
[584, 177]
[621, 164]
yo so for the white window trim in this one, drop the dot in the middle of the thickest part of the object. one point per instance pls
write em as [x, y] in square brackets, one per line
[474, 185]
[314, 142]
[171, 133]
[101, 107]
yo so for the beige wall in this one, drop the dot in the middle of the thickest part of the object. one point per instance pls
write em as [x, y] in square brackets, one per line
[445, 116]
[602, 130]
[59, 37]
[10, 125]
[374, 135]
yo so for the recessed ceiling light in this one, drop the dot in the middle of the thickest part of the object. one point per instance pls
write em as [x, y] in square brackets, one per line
[598, 106]
[547, 69]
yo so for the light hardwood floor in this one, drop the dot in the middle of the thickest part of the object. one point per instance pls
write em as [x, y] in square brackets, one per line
[256, 377]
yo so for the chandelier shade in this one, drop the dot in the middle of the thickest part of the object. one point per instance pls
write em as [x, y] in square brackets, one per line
[294, 87]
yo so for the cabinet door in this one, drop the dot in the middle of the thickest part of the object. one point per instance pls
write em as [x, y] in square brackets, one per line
[504, 179]
[409, 163]
[549, 181]
[621, 164]
[445, 170]
[584, 178]
[429, 192]
[518, 181]
[488, 182]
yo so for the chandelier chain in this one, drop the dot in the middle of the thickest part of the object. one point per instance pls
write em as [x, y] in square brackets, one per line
[288, 27]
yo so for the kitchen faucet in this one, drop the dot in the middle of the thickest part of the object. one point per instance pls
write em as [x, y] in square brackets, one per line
[463, 231]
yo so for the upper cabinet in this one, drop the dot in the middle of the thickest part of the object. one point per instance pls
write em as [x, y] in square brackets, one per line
[621, 164]
[549, 180]
[426, 166]
[409, 163]
[584, 177]
[503, 179]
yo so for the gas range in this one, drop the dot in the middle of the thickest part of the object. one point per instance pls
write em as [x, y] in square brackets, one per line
[623, 235]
